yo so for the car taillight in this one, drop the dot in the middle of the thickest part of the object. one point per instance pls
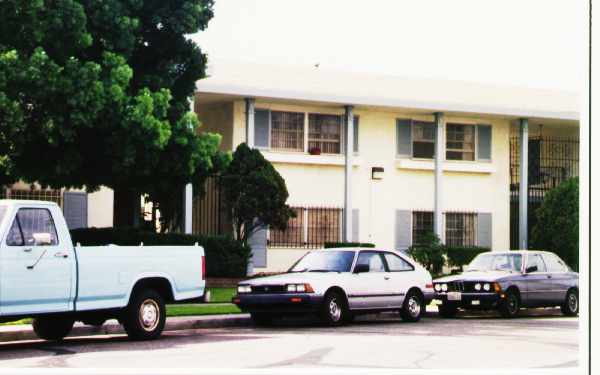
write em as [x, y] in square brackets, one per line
[428, 286]
[203, 267]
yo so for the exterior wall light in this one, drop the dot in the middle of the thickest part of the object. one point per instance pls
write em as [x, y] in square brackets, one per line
[377, 173]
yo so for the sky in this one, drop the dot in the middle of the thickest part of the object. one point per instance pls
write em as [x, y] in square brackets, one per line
[529, 43]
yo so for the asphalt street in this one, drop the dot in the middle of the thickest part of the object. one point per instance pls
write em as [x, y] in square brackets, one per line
[538, 339]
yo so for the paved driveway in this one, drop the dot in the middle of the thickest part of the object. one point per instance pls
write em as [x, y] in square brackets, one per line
[541, 339]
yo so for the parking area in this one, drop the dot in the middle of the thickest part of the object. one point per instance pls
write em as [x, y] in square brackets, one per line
[538, 339]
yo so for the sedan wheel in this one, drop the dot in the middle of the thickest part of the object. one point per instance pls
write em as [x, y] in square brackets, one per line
[571, 305]
[511, 305]
[334, 311]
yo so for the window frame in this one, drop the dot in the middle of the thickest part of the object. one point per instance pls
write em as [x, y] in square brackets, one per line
[380, 253]
[462, 150]
[541, 258]
[18, 221]
[474, 221]
[387, 265]
[413, 222]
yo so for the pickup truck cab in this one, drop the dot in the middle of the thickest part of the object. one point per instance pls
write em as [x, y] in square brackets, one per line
[45, 277]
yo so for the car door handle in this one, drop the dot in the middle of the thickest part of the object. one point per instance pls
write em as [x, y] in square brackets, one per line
[61, 254]
[549, 276]
[386, 277]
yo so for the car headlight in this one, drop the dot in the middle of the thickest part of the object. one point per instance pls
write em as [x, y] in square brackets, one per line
[486, 287]
[437, 287]
[244, 289]
[444, 287]
[478, 286]
[299, 288]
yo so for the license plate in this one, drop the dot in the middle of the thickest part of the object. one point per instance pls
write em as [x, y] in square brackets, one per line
[475, 302]
[454, 296]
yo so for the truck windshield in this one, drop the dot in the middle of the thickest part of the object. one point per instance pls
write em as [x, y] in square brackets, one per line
[496, 262]
[325, 261]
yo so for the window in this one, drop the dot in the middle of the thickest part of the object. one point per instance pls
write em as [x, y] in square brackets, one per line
[29, 221]
[423, 144]
[325, 133]
[536, 260]
[460, 229]
[311, 228]
[422, 224]
[397, 264]
[460, 142]
[554, 263]
[372, 259]
[287, 131]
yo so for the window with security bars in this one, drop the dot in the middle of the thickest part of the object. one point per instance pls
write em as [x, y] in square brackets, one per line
[325, 133]
[423, 139]
[460, 229]
[36, 194]
[287, 131]
[422, 225]
[460, 142]
[311, 228]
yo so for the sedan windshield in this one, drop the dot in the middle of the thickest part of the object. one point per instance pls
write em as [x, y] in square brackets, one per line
[496, 262]
[325, 261]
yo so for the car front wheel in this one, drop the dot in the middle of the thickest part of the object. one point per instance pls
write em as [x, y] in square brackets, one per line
[413, 307]
[510, 306]
[571, 305]
[334, 311]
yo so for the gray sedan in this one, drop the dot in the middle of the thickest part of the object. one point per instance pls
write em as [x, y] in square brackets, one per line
[507, 281]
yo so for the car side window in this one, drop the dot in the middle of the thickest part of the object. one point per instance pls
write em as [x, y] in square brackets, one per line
[397, 264]
[554, 263]
[372, 259]
[29, 221]
[536, 260]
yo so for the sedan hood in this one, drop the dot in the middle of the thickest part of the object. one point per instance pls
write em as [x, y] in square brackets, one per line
[289, 278]
[475, 276]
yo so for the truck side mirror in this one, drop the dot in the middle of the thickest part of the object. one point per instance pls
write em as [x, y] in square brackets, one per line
[531, 269]
[361, 268]
[41, 239]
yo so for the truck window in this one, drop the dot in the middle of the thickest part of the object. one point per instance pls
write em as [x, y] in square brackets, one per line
[2, 212]
[29, 221]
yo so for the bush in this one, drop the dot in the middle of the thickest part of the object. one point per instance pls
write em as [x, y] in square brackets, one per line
[333, 245]
[429, 253]
[557, 226]
[458, 256]
[225, 257]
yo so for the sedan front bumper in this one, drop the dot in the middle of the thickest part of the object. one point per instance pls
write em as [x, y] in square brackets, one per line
[278, 303]
[475, 301]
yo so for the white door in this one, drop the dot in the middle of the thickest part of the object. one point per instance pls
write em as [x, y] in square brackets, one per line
[34, 278]
[368, 288]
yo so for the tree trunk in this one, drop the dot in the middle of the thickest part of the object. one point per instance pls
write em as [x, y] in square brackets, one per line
[126, 208]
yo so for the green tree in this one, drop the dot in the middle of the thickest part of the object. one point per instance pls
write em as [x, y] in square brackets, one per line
[557, 226]
[255, 193]
[97, 93]
[429, 252]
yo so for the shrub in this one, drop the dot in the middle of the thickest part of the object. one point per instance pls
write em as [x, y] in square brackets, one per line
[557, 226]
[332, 245]
[225, 257]
[429, 253]
[458, 256]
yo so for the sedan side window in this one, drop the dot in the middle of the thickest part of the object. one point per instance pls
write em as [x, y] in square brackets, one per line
[554, 263]
[397, 264]
[536, 260]
[372, 259]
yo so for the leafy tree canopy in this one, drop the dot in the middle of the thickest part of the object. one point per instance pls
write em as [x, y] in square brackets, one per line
[557, 227]
[97, 93]
[255, 193]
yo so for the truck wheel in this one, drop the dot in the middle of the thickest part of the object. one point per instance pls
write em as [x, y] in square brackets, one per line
[334, 311]
[571, 305]
[412, 308]
[447, 310]
[509, 308]
[144, 317]
[52, 328]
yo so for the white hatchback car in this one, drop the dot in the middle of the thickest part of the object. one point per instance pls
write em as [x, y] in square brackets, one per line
[339, 283]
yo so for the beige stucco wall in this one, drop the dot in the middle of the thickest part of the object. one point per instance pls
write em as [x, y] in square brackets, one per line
[100, 208]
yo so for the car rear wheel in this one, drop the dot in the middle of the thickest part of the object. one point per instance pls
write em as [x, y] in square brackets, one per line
[510, 306]
[145, 316]
[447, 310]
[413, 307]
[334, 311]
[52, 328]
[571, 305]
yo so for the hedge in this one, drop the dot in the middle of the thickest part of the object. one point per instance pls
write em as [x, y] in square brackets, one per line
[458, 256]
[333, 245]
[225, 257]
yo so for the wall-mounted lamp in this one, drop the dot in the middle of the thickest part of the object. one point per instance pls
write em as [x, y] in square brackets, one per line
[377, 173]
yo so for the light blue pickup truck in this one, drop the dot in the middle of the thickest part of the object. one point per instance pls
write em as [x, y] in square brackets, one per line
[43, 276]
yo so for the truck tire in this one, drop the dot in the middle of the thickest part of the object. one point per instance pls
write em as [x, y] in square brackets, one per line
[52, 328]
[144, 318]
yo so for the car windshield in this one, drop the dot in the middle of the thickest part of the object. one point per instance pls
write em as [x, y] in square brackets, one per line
[496, 262]
[325, 261]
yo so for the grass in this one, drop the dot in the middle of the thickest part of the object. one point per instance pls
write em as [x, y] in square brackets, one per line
[221, 295]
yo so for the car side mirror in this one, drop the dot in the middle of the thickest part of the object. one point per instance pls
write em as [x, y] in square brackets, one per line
[531, 269]
[361, 268]
[41, 239]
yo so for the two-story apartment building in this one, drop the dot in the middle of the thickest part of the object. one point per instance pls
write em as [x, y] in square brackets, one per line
[383, 159]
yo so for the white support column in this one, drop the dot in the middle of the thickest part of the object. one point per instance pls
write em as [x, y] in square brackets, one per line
[188, 194]
[439, 155]
[348, 151]
[250, 102]
[523, 182]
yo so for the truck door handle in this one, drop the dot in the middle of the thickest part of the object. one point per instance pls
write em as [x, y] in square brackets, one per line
[61, 254]
[28, 250]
